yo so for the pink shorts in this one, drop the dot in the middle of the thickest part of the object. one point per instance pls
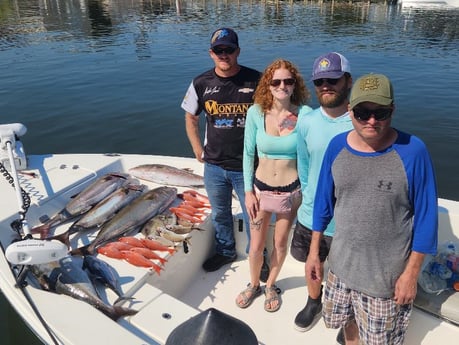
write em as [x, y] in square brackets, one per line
[278, 202]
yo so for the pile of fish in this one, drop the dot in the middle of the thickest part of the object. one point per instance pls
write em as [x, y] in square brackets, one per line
[68, 277]
[194, 209]
[137, 251]
[120, 209]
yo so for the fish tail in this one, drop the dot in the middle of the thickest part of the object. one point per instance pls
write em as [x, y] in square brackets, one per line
[156, 268]
[121, 299]
[43, 230]
[119, 312]
[64, 238]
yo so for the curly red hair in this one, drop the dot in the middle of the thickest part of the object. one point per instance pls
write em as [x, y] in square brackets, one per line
[263, 95]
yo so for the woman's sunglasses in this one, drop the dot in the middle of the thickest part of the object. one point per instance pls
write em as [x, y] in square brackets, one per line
[220, 51]
[319, 82]
[277, 82]
[381, 114]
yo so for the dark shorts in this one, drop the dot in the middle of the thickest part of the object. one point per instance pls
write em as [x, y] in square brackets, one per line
[301, 241]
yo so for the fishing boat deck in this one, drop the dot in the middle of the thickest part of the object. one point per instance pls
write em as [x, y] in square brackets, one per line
[200, 290]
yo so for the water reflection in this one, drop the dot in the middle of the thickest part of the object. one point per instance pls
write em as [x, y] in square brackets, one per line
[101, 17]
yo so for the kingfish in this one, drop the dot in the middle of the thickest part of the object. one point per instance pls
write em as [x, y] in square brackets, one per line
[131, 217]
[81, 203]
[67, 277]
[167, 175]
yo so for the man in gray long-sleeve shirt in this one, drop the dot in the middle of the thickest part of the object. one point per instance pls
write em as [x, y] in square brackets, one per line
[379, 185]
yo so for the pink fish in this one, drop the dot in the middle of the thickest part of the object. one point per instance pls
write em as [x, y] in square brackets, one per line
[137, 259]
[149, 254]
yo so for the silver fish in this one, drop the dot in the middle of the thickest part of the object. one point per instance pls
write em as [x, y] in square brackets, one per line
[67, 277]
[183, 229]
[107, 208]
[131, 216]
[81, 203]
[167, 175]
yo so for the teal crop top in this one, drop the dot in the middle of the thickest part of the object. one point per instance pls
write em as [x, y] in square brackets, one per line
[267, 146]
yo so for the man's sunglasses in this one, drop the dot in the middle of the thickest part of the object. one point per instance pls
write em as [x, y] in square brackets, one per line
[220, 51]
[380, 114]
[331, 81]
[277, 82]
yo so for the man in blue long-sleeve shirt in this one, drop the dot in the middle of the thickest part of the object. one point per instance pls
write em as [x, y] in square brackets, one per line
[378, 184]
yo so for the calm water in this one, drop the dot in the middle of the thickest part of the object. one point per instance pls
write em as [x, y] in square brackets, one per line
[109, 76]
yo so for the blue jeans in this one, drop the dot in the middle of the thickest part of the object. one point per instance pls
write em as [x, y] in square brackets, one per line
[219, 185]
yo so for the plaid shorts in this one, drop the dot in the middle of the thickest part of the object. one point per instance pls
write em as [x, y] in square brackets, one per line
[380, 320]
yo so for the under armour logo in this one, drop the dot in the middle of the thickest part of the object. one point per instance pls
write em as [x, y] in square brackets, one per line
[384, 185]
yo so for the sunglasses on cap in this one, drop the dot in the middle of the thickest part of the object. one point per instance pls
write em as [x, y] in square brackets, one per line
[220, 51]
[277, 82]
[331, 81]
[381, 114]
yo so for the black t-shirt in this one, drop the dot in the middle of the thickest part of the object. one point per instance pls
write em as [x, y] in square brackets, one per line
[225, 102]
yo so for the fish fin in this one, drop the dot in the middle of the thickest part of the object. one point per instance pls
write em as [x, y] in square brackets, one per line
[156, 268]
[64, 238]
[43, 230]
[120, 175]
[82, 251]
[122, 312]
[121, 299]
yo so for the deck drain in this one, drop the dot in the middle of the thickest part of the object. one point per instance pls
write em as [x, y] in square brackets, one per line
[167, 316]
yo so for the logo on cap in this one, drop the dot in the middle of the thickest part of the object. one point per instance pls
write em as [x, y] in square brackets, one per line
[224, 36]
[219, 34]
[324, 64]
[369, 83]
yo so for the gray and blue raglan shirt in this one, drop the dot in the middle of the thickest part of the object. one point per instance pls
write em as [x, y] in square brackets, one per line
[384, 205]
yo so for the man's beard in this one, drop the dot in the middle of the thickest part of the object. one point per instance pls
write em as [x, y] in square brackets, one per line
[339, 98]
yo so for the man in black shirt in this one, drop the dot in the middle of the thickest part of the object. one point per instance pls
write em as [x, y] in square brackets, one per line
[223, 93]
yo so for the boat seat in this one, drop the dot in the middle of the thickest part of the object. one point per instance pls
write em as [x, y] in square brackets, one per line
[444, 305]
[212, 326]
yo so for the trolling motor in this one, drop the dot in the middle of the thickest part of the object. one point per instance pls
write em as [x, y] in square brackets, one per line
[27, 251]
